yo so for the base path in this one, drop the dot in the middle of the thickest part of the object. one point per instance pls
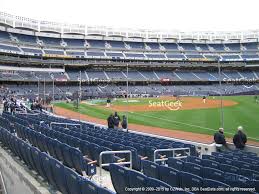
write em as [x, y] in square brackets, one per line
[178, 134]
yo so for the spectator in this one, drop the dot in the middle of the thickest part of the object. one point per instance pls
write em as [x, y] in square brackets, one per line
[219, 139]
[239, 138]
[110, 121]
[117, 120]
[124, 123]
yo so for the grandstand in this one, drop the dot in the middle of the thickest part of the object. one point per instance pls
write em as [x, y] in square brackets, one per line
[42, 152]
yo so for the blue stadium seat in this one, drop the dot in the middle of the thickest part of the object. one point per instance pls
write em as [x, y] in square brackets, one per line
[210, 163]
[59, 176]
[163, 188]
[29, 156]
[175, 163]
[46, 166]
[37, 161]
[214, 174]
[192, 168]
[188, 180]
[209, 157]
[137, 180]
[235, 180]
[228, 168]
[58, 151]
[251, 174]
[120, 178]
[73, 180]
[209, 183]
[88, 187]
[194, 159]
[67, 156]
[150, 169]
[169, 176]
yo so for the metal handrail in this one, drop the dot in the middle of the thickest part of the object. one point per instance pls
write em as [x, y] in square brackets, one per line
[170, 150]
[3, 188]
[107, 164]
[66, 124]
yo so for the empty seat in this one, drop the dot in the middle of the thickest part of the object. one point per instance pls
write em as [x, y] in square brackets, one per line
[251, 174]
[67, 156]
[137, 180]
[59, 176]
[175, 163]
[37, 161]
[209, 157]
[150, 169]
[194, 159]
[192, 168]
[210, 163]
[228, 168]
[159, 186]
[188, 180]
[169, 176]
[119, 177]
[211, 173]
[73, 180]
[46, 165]
[88, 187]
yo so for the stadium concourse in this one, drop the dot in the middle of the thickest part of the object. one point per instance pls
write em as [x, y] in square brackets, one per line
[41, 63]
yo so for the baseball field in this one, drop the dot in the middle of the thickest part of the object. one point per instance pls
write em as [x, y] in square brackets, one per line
[187, 114]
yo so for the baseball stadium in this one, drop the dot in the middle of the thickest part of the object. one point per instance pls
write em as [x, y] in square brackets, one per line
[103, 110]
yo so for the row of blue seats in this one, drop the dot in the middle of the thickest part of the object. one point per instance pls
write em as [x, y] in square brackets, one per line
[54, 172]
[171, 174]
[126, 181]
[248, 157]
[221, 163]
[132, 139]
[68, 154]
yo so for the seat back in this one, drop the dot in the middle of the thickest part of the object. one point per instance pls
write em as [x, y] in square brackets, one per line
[119, 177]
[59, 176]
[188, 180]
[150, 169]
[164, 188]
[210, 163]
[73, 180]
[169, 176]
[88, 187]
[192, 168]
[229, 168]
[175, 163]
[194, 159]
[137, 180]
[211, 173]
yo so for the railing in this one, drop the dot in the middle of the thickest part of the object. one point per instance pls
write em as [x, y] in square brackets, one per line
[65, 124]
[173, 150]
[2, 185]
[107, 164]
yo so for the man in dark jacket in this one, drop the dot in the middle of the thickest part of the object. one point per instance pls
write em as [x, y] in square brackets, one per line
[219, 139]
[124, 123]
[110, 122]
[240, 138]
[117, 120]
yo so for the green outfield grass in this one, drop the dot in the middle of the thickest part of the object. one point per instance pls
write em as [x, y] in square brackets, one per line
[205, 121]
